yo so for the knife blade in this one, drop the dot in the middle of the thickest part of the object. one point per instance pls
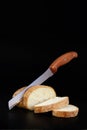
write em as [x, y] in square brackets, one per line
[52, 69]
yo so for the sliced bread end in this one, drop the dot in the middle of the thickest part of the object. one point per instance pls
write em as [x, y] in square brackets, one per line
[66, 112]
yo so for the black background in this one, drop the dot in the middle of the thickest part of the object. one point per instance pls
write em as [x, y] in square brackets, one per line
[32, 36]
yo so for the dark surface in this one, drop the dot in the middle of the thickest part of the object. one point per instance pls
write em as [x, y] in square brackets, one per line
[21, 64]
[31, 37]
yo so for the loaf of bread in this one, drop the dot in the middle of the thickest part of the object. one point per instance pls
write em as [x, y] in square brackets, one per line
[66, 112]
[50, 104]
[34, 95]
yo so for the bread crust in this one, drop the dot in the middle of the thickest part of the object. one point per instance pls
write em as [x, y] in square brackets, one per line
[50, 107]
[18, 91]
[66, 114]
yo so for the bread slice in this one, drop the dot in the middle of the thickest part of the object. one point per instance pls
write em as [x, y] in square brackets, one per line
[34, 95]
[49, 105]
[66, 112]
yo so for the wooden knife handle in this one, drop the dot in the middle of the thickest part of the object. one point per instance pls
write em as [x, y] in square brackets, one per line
[62, 60]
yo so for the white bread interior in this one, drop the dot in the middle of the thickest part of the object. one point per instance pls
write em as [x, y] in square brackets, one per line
[34, 95]
[66, 112]
[50, 104]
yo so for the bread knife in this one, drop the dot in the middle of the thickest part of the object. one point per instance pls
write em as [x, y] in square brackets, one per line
[52, 69]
